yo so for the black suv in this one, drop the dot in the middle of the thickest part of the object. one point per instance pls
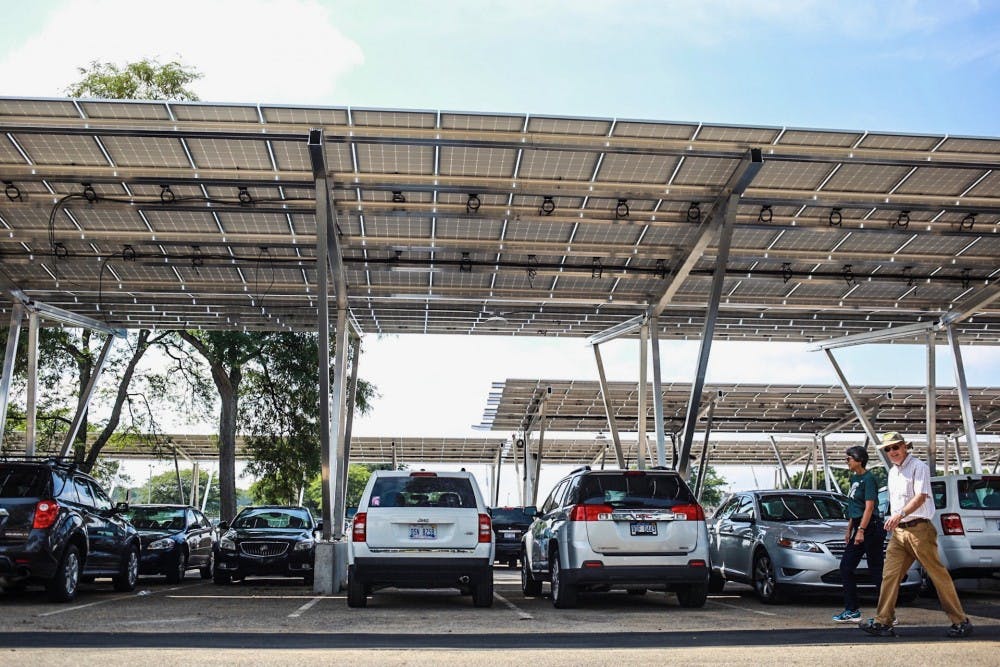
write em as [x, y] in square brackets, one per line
[509, 524]
[58, 527]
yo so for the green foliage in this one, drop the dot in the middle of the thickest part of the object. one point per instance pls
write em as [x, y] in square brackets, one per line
[146, 79]
[162, 488]
[841, 475]
[712, 489]
[357, 478]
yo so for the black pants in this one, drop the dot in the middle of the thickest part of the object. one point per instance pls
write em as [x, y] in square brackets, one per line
[872, 548]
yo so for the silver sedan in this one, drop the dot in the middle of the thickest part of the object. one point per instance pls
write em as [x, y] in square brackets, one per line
[781, 541]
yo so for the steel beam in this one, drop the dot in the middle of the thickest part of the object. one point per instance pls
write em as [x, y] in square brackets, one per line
[850, 419]
[641, 444]
[496, 484]
[781, 463]
[630, 325]
[31, 400]
[338, 419]
[712, 311]
[352, 396]
[661, 445]
[834, 484]
[856, 406]
[87, 395]
[972, 305]
[703, 461]
[13, 336]
[931, 403]
[805, 470]
[966, 403]
[880, 336]
[609, 411]
[541, 446]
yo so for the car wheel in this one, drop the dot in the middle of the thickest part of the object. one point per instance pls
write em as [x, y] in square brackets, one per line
[692, 596]
[62, 588]
[129, 574]
[530, 586]
[563, 594]
[221, 578]
[716, 583]
[764, 580]
[208, 569]
[482, 593]
[512, 563]
[176, 575]
[355, 592]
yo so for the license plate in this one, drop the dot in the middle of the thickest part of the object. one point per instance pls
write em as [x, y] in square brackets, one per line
[423, 532]
[509, 534]
[643, 528]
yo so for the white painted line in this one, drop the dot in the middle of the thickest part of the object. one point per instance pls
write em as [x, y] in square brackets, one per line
[188, 619]
[752, 611]
[306, 607]
[255, 597]
[142, 593]
[521, 614]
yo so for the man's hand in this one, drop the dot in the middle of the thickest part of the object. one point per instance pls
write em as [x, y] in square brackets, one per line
[892, 521]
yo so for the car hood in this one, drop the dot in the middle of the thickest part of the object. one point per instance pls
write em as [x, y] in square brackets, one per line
[152, 535]
[814, 530]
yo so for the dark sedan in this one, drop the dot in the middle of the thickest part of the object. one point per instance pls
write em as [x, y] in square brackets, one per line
[509, 524]
[267, 541]
[175, 539]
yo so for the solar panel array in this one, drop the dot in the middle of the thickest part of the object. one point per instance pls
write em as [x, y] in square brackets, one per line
[164, 214]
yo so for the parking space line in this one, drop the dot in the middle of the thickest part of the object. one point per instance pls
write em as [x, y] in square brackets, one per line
[521, 614]
[752, 611]
[255, 597]
[306, 607]
[142, 593]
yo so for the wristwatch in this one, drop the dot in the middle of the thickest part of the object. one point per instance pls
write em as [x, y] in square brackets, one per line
[902, 514]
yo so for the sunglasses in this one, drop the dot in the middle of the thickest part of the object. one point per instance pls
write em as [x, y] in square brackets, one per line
[892, 448]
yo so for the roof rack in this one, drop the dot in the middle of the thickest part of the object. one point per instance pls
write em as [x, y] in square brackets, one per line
[580, 469]
[50, 460]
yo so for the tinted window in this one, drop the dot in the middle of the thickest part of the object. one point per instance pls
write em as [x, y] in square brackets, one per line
[940, 492]
[727, 508]
[436, 491]
[157, 518]
[634, 489]
[23, 482]
[512, 514]
[800, 507]
[84, 492]
[102, 502]
[980, 494]
[192, 520]
[552, 502]
[270, 517]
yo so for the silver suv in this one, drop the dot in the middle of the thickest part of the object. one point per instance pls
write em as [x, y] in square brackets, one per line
[421, 530]
[967, 514]
[631, 529]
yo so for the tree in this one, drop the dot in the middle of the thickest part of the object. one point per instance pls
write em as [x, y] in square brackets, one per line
[839, 474]
[162, 488]
[146, 79]
[712, 488]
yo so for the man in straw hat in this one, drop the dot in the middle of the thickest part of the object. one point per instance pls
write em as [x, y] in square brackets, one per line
[913, 537]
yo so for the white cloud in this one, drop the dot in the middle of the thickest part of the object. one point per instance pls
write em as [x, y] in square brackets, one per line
[248, 50]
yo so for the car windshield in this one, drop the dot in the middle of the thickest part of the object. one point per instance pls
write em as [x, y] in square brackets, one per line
[512, 514]
[634, 489]
[801, 507]
[979, 494]
[436, 491]
[22, 482]
[272, 518]
[157, 518]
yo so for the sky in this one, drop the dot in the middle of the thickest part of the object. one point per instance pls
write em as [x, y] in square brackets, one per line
[903, 66]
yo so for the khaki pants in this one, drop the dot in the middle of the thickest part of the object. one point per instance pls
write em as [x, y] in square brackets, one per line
[909, 543]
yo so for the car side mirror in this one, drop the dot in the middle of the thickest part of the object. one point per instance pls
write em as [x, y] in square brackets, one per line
[537, 515]
[121, 508]
[223, 525]
[741, 518]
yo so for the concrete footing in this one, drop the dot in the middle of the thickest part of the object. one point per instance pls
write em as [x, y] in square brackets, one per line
[330, 567]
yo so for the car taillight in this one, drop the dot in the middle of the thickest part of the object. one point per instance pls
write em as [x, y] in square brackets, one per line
[46, 512]
[485, 528]
[423, 474]
[359, 527]
[590, 512]
[951, 524]
[692, 512]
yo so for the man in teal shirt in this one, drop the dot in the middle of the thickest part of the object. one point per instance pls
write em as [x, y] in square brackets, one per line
[864, 536]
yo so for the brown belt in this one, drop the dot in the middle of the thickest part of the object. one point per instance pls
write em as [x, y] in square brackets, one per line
[914, 522]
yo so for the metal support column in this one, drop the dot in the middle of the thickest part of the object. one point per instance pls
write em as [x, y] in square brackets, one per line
[13, 336]
[338, 420]
[395, 457]
[711, 313]
[703, 461]
[963, 396]
[496, 484]
[641, 445]
[31, 400]
[931, 404]
[352, 395]
[805, 470]
[834, 484]
[541, 446]
[195, 483]
[781, 463]
[208, 490]
[519, 481]
[862, 417]
[661, 445]
[606, 397]
[529, 471]
[87, 395]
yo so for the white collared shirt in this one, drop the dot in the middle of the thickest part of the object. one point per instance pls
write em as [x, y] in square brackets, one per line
[907, 480]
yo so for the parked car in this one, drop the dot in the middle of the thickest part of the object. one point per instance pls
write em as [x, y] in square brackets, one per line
[967, 516]
[780, 541]
[421, 530]
[272, 540]
[631, 529]
[58, 527]
[175, 539]
[509, 524]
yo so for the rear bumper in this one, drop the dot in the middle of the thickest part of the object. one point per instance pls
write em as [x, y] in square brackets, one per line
[642, 575]
[507, 550]
[18, 565]
[420, 572]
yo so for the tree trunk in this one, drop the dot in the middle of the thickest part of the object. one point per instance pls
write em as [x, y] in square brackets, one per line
[227, 445]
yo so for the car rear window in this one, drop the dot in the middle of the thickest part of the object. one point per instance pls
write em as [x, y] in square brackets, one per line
[979, 494]
[800, 507]
[152, 518]
[23, 482]
[512, 514]
[633, 490]
[940, 493]
[422, 492]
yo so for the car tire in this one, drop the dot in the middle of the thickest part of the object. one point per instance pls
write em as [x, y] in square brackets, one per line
[530, 586]
[221, 578]
[482, 593]
[176, 575]
[208, 569]
[129, 573]
[564, 594]
[765, 583]
[512, 563]
[692, 596]
[716, 583]
[356, 596]
[62, 587]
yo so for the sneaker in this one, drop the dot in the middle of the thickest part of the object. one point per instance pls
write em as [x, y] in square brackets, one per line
[895, 621]
[848, 616]
[876, 629]
[960, 630]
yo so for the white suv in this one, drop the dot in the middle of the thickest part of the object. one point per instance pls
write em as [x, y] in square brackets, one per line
[421, 530]
[967, 514]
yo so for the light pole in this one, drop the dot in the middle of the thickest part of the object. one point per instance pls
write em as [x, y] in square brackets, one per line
[149, 485]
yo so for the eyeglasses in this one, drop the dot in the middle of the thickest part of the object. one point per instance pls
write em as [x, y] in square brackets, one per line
[892, 448]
